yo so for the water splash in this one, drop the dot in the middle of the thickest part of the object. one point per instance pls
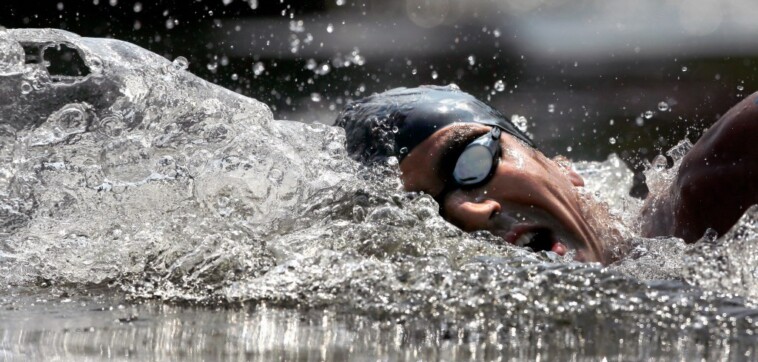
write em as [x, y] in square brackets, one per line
[157, 184]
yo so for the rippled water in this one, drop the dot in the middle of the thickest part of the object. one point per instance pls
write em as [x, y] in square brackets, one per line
[146, 212]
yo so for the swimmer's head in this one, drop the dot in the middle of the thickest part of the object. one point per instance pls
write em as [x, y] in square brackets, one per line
[484, 172]
[393, 123]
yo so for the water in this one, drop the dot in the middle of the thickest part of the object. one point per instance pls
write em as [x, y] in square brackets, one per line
[148, 213]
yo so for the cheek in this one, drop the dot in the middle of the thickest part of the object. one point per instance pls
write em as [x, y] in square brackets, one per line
[523, 183]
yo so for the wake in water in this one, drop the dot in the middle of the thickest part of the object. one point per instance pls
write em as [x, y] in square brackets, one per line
[142, 178]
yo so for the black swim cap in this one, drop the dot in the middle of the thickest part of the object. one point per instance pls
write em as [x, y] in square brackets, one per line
[392, 123]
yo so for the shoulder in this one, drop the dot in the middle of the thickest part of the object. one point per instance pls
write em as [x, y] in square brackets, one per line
[717, 180]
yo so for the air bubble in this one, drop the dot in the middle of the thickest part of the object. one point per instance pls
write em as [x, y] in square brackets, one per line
[612, 140]
[684, 69]
[648, 114]
[96, 65]
[26, 87]
[340, 2]
[253, 4]
[315, 97]
[434, 74]
[499, 85]
[639, 121]
[404, 150]
[112, 125]
[551, 108]
[659, 163]
[663, 106]
[180, 63]
[740, 87]
[330, 28]
[471, 60]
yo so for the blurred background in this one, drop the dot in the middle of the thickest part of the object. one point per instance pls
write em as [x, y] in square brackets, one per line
[591, 76]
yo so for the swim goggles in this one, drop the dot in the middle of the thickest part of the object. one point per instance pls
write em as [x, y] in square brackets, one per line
[478, 161]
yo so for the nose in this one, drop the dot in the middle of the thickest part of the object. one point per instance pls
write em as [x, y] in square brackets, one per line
[470, 214]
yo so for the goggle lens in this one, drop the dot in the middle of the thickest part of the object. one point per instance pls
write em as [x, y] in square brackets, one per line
[478, 160]
[473, 165]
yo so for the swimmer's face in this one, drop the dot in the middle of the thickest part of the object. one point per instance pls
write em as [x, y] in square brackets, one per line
[529, 200]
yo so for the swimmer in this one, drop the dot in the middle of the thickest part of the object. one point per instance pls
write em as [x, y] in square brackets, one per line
[488, 175]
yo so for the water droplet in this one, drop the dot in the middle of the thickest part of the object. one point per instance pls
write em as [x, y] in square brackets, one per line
[330, 28]
[659, 163]
[648, 114]
[663, 106]
[551, 108]
[684, 69]
[471, 60]
[297, 26]
[26, 87]
[258, 68]
[253, 4]
[315, 97]
[612, 140]
[180, 63]
[323, 69]
[520, 122]
[434, 74]
[499, 85]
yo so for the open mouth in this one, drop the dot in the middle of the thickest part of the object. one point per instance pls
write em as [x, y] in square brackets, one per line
[540, 239]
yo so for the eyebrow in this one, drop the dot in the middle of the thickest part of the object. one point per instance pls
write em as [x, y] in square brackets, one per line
[453, 147]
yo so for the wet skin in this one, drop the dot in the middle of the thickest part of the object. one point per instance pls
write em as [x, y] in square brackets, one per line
[717, 180]
[528, 194]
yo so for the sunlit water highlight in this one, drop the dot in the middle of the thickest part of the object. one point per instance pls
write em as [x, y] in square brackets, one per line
[213, 230]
